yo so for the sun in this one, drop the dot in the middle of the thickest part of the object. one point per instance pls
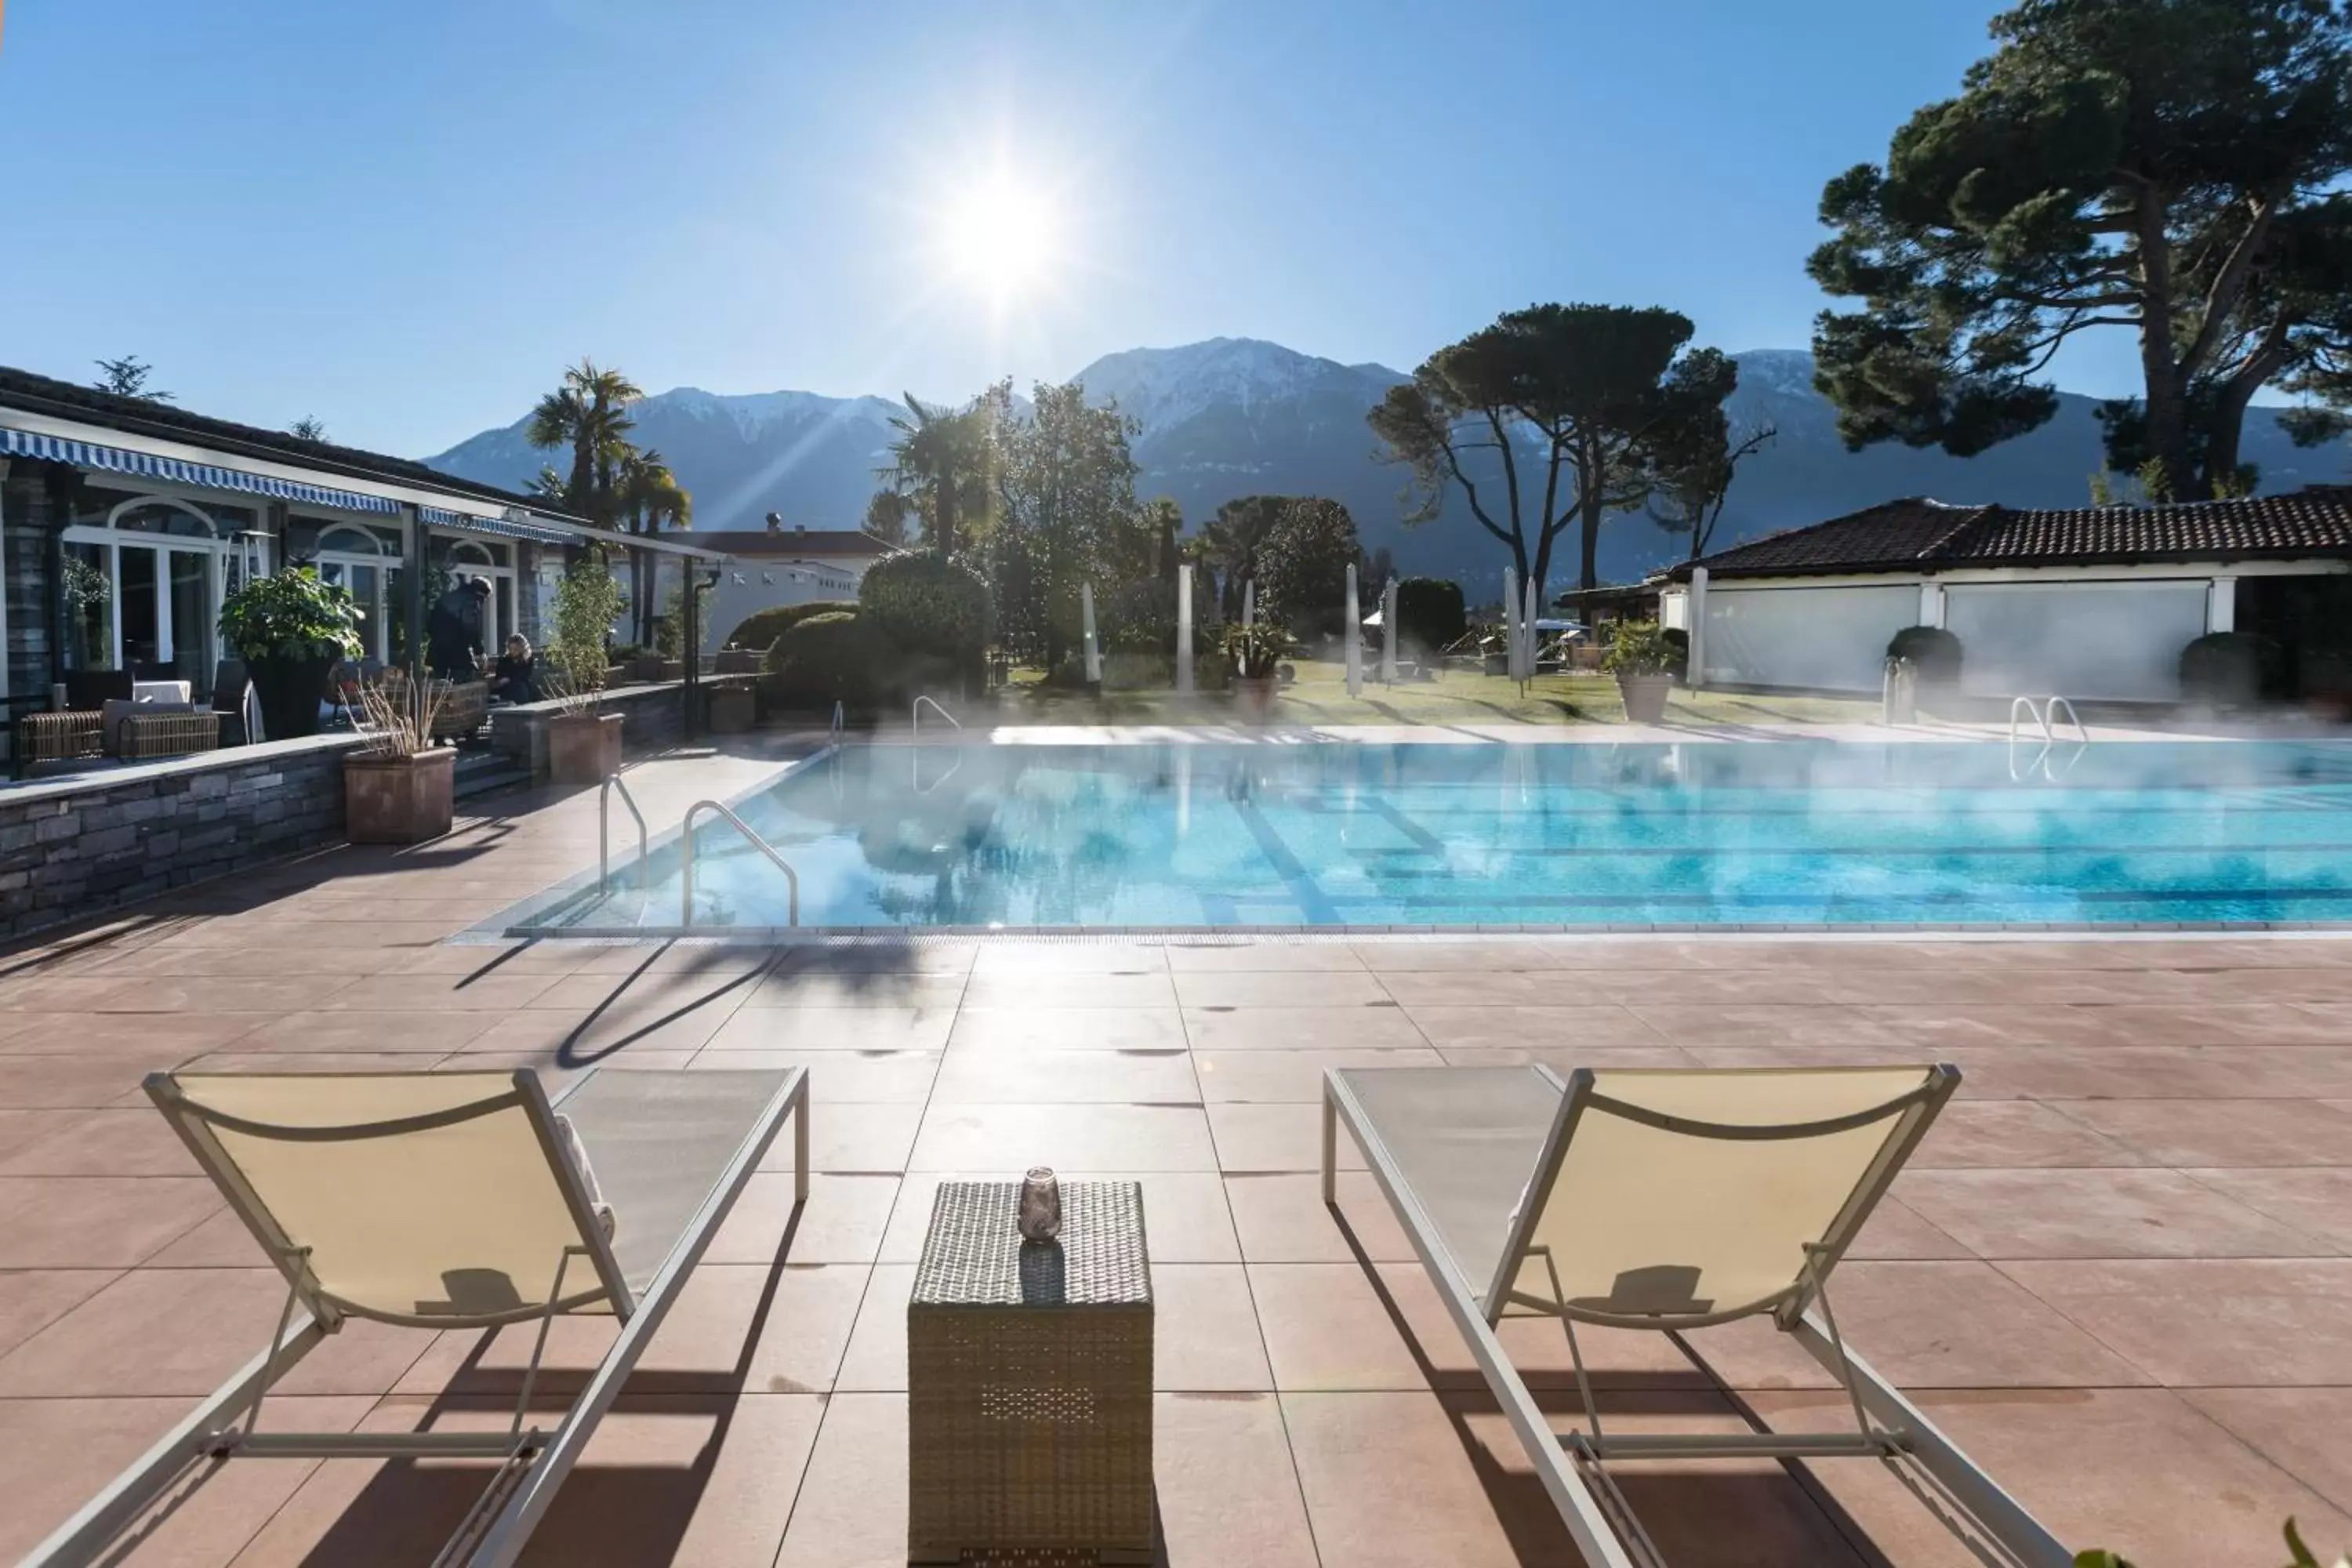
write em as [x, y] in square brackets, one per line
[1001, 235]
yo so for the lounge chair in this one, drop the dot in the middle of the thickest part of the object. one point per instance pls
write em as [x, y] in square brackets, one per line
[1667, 1200]
[457, 1200]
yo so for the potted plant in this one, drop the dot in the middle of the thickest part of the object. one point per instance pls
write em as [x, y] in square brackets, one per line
[398, 789]
[583, 742]
[1253, 652]
[1643, 660]
[291, 628]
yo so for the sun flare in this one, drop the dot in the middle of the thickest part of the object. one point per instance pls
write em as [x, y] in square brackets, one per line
[1001, 235]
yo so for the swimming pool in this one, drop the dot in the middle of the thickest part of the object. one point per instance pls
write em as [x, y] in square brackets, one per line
[1342, 835]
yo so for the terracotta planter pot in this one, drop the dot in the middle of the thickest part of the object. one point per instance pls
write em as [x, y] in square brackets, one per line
[730, 709]
[583, 748]
[398, 800]
[1645, 696]
[1253, 695]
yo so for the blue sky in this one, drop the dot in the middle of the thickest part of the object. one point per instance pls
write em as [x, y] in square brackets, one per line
[407, 218]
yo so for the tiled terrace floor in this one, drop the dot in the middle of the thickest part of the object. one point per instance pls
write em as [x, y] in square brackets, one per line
[2120, 1272]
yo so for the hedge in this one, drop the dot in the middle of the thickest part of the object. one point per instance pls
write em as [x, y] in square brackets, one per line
[1935, 651]
[761, 629]
[2231, 670]
[843, 656]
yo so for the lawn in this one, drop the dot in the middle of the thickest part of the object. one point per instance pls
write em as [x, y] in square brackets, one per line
[1319, 695]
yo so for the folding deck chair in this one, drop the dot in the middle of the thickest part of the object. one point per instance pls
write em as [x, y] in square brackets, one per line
[457, 1200]
[1665, 1200]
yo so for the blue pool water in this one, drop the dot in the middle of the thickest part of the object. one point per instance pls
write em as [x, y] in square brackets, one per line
[1333, 835]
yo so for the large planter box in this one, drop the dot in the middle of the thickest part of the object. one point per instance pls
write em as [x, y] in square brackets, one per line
[1645, 696]
[730, 709]
[399, 800]
[1253, 695]
[583, 748]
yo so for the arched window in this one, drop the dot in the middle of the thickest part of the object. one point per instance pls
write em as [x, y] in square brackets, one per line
[349, 541]
[161, 514]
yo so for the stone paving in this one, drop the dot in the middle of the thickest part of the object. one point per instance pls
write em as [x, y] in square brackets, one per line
[2119, 1271]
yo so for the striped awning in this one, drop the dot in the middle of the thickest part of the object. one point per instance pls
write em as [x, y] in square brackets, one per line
[501, 527]
[177, 470]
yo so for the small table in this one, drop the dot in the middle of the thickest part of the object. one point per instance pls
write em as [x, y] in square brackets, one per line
[1029, 1378]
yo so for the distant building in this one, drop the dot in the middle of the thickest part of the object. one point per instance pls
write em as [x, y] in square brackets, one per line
[772, 567]
[2091, 602]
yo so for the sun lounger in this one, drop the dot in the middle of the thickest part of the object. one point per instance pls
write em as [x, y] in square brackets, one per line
[451, 1201]
[1671, 1201]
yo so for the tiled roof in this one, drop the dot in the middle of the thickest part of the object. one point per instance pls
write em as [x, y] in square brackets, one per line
[1917, 534]
[139, 417]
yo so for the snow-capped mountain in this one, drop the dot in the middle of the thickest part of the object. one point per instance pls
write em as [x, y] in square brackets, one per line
[1235, 416]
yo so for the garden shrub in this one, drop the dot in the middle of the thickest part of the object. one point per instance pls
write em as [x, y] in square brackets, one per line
[2231, 670]
[831, 658]
[1932, 650]
[1431, 613]
[762, 628]
[923, 602]
[1678, 641]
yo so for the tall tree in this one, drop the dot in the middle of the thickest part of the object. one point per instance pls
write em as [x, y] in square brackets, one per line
[589, 415]
[127, 377]
[1233, 541]
[1303, 564]
[1539, 422]
[887, 514]
[1696, 453]
[310, 427]
[940, 461]
[2171, 168]
[1066, 507]
[650, 498]
[1160, 522]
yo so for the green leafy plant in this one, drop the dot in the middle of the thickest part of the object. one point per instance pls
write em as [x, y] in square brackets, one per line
[762, 627]
[923, 600]
[586, 602]
[1254, 650]
[290, 615]
[1932, 650]
[1641, 647]
[2302, 1557]
[669, 634]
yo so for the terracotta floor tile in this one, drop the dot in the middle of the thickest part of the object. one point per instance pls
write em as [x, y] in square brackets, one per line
[1566, 1057]
[223, 994]
[1276, 1138]
[1184, 1212]
[182, 1332]
[819, 1029]
[2208, 1131]
[1205, 1332]
[972, 1076]
[852, 1508]
[1389, 1479]
[33, 1299]
[843, 1076]
[131, 1142]
[61, 1083]
[223, 1241]
[1292, 1076]
[2153, 1072]
[58, 1452]
[1069, 1028]
[559, 1068]
[856, 988]
[911, 957]
[2241, 1322]
[1256, 957]
[1058, 960]
[1694, 1025]
[144, 1041]
[2301, 1430]
[2136, 1471]
[842, 1222]
[1281, 1218]
[1068, 1137]
[437, 1032]
[420, 992]
[2094, 1214]
[97, 1222]
[663, 1479]
[876, 1358]
[1151, 989]
[304, 1061]
[868, 1138]
[2010, 1133]
[21, 1130]
[1328, 1327]
[1228, 1492]
[643, 1021]
[1280, 988]
[1302, 1029]
[1544, 989]
[1895, 1231]
[58, 993]
[2314, 1200]
[1967, 1325]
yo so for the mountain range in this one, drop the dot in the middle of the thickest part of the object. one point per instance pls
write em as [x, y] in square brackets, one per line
[1235, 417]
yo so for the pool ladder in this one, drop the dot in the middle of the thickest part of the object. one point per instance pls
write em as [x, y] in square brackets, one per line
[604, 836]
[2044, 716]
[915, 717]
[686, 862]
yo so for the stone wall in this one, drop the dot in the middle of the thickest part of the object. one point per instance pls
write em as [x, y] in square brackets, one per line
[650, 718]
[27, 522]
[81, 846]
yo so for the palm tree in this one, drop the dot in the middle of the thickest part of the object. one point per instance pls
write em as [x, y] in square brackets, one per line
[588, 414]
[940, 462]
[1233, 539]
[650, 498]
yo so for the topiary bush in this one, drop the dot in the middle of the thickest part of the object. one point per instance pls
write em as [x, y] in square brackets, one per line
[762, 628]
[923, 602]
[1431, 613]
[1932, 650]
[2231, 670]
[830, 658]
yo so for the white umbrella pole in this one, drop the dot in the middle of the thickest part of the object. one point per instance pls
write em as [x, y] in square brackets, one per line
[1249, 603]
[1087, 624]
[1185, 631]
[1527, 628]
[1388, 633]
[1355, 637]
[1510, 623]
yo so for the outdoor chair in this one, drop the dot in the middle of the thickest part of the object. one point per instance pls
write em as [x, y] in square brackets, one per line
[1665, 1200]
[455, 1201]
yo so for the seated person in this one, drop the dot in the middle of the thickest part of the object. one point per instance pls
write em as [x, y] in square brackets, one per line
[516, 679]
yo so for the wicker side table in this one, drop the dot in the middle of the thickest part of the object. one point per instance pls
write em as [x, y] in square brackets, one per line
[1029, 1379]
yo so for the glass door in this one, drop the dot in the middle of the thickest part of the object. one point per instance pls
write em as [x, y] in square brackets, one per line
[193, 623]
[140, 626]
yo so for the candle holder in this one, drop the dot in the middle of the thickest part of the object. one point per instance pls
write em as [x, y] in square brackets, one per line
[1040, 1206]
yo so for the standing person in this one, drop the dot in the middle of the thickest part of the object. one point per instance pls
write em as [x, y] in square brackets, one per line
[516, 679]
[453, 633]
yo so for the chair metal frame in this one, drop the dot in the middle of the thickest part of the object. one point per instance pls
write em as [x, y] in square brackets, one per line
[534, 1462]
[1570, 1465]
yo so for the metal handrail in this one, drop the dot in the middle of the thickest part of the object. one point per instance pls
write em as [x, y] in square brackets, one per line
[604, 836]
[686, 853]
[2041, 721]
[2050, 705]
[840, 721]
[915, 717]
